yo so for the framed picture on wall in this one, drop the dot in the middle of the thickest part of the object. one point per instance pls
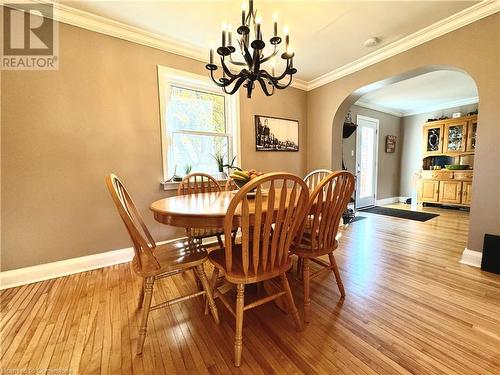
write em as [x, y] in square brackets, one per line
[390, 143]
[276, 134]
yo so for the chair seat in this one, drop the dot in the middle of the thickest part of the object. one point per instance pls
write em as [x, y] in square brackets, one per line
[305, 250]
[237, 275]
[172, 256]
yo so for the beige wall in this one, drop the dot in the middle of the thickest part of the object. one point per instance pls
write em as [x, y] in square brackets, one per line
[388, 172]
[290, 103]
[411, 157]
[63, 131]
[474, 49]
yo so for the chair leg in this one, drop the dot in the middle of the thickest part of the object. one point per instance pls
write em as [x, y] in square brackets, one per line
[213, 284]
[238, 337]
[291, 304]
[300, 268]
[208, 292]
[148, 294]
[197, 280]
[219, 241]
[141, 293]
[307, 301]
[335, 269]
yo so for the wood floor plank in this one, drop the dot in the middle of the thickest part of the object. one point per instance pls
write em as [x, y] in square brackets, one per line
[411, 308]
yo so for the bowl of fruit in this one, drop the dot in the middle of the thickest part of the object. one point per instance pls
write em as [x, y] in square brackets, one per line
[240, 178]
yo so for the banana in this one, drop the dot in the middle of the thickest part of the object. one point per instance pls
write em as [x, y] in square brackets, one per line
[238, 177]
[242, 174]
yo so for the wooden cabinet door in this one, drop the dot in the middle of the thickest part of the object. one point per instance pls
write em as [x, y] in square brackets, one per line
[433, 139]
[471, 135]
[466, 192]
[450, 191]
[455, 137]
[428, 190]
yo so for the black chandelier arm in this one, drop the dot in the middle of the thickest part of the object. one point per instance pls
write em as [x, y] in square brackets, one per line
[226, 69]
[273, 78]
[246, 53]
[237, 63]
[263, 85]
[226, 82]
[215, 80]
[280, 86]
[276, 80]
[276, 50]
[236, 86]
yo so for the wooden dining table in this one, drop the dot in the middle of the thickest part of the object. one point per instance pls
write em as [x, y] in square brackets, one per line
[204, 210]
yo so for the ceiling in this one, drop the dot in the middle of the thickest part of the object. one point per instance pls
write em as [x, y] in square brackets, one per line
[427, 92]
[325, 35]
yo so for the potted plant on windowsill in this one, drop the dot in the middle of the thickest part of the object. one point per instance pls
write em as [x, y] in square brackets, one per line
[219, 159]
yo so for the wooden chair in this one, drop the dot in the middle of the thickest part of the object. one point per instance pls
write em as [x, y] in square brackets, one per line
[313, 178]
[318, 237]
[263, 253]
[153, 262]
[195, 183]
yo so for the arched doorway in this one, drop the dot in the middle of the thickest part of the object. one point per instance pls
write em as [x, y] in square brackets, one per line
[404, 106]
[407, 167]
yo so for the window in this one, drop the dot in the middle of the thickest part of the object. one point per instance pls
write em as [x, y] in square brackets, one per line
[197, 121]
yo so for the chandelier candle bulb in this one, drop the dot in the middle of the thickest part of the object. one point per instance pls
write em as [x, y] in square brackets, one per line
[258, 35]
[243, 13]
[230, 35]
[224, 27]
[275, 19]
[211, 54]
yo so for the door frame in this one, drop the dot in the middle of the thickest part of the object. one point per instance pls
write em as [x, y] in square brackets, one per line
[377, 122]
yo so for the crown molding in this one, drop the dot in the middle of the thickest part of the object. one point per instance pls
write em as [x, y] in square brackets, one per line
[437, 107]
[465, 17]
[103, 25]
[378, 108]
[426, 109]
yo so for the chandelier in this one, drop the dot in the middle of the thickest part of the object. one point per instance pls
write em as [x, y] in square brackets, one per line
[251, 66]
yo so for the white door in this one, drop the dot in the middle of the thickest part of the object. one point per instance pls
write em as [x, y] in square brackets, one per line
[366, 161]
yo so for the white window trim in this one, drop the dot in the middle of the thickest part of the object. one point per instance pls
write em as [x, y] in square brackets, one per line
[169, 76]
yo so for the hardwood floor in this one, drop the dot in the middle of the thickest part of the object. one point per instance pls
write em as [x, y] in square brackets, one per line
[411, 308]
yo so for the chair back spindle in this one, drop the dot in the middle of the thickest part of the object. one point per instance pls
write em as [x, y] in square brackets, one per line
[269, 220]
[195, 183]
[327, 202]
[142, 240]
[314, 178]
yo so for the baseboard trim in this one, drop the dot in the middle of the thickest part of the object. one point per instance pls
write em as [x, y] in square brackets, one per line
[47, 271]
[381, 202]
[471, 258]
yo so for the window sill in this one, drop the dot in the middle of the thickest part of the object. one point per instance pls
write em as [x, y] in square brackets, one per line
[174, 185]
